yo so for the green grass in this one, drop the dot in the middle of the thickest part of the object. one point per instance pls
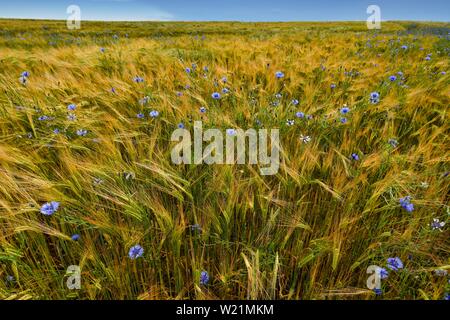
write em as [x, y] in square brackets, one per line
[309, 232]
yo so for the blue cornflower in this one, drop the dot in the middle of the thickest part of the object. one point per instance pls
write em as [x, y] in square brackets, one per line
[225, 90]
[138, 79]
[447, 296]
[154, 113]
[406, 204]
[392, 78]
[56, 131]
[355, 156]
[383, 273]
[405, 200]
[71, 107]
[75, 237]
[81, 132]
[72, 117]
[43, 118]
[140, 115]
[216, 95]
[294, 102]
[224, 79]
[113, 90]
[374, 97]
[345, 110]
[309, 117]
[25, 74]
[202, 110]
[333, 86]
[279, 74]
[136, 252]
[204, 278]
[378, 292]
[9, 278]
[231, 132]
[49, 208]
[179, 94]
[394, 263]
[290, 122]
[188, 70]
[300, 115]
[278, 95]
[393, 142]
[343, 120]
[102, 50]
[180, 125]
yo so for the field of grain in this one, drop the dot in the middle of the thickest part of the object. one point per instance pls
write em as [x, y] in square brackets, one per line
[86, 177]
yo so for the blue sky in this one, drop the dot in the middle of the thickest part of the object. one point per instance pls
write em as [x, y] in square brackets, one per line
[236, 10]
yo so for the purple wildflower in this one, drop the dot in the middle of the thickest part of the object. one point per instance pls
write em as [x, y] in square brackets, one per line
[406, 204]
[75, 237]
[49, 208]
[300, 115]
[136, 252]
[204, 278]
[394, 263]
[279, 74]
[154, 114]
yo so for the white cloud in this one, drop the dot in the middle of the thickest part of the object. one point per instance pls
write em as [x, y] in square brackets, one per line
[132, 13]
[158, 15]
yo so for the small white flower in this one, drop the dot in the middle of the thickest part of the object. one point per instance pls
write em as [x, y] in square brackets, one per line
[305, 139]
[437, 224]
[424, 185]
[129, 175]
[23, 80]
[440, 272]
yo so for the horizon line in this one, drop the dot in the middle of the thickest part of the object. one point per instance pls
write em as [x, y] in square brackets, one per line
[240, 21]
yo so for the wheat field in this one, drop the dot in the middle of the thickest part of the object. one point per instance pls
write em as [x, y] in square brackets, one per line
[86, 178]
